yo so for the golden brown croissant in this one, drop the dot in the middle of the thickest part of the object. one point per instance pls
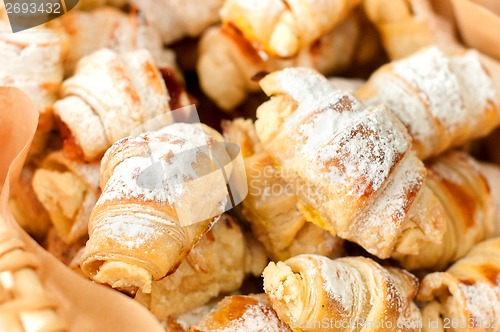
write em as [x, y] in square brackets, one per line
[467, 296]
[458, 182]
[217, 264]
[444, 101]
[241, 313]
[271, 207]
[110, 97]
[33, 62]
[105, 27]
[228, 61]
[314, 293]
[28, 211]
[161, 192]
[409, 25]
[25, 304]
[283, 28]
[351, 166]
[491, 173]
[176, 20]
[68, 190]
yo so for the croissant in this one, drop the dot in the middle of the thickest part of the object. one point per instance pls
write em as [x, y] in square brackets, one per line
[283, 28]
[26, 305]
[227, 61]
[68, 190]
[271, 207]
[467, 296]
[161, 191]
[241, 313]
[27, 210]
[406, 26]
[217, 264]
[110, 97]
[351, 166]
[314, 293]
[444, 101]
[33, 62]
[458, 182]
[491, 173]
[106, 27]
[175, 20]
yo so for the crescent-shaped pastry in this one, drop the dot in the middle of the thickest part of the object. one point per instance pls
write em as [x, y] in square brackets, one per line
[467, 296]
[314, 293]
[351, 166]
[161, 192]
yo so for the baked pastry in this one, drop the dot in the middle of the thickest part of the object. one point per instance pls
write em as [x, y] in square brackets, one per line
[217, 264]
[351, 166]
[241, 313]
[39, 71]
[25, 304]
[406, 26]
[491, 173]
[271, 207]
[105, 27]
[444, 101]
[67, 253]
[228, 62]
[467, 296]
[161, 192]
[458, 182]
[351, 293]
[27, 210]
[283, 28]
[68, 190]
[175, 20]
[111, 96]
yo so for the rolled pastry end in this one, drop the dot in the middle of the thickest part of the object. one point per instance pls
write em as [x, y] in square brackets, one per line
[284, 289]
[125, 277]
[81, 129]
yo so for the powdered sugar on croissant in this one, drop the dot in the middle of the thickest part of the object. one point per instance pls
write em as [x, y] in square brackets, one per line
[352, 167]
[142, 226]
[110, 96]
[350, 293]
[444, 101]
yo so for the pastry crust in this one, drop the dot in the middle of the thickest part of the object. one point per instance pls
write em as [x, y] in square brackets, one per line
[105, 27]
[467, 296]
[351, 167]
[217, 264]
[143, 226]
[68, 190]
[271, 207]
[176, 20]
[458, 182]
[283, 28]
[242, 313]
[351, 294]
[406, 26]
[33, 62]
[110, 97]
[444, 101]
[228, 61]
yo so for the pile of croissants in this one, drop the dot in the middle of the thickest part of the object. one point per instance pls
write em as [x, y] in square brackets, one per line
[371, 197]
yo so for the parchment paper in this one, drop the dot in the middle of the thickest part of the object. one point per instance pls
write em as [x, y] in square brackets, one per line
[84, 306]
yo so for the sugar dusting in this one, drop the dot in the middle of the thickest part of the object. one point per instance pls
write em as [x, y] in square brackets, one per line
[429, 73]
[483, 300]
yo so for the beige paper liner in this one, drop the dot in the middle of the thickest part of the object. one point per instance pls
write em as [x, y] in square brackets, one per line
[83, 305]
[479, 24]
